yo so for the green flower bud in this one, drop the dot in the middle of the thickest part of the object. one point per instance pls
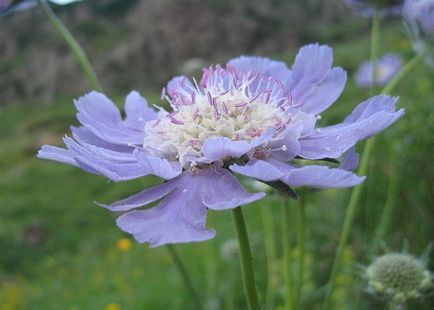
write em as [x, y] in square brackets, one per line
[398, 277]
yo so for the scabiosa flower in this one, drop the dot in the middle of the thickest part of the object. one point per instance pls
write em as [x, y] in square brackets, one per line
[419, 18]
[386, 68]
[398, 277]
[250, 117]
[383, 7]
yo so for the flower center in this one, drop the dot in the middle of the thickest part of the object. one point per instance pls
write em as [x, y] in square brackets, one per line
[238, 108]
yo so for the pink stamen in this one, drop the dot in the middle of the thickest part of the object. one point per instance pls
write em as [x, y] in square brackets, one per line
[214, 104]
[267, 97]
[210, 98]
[235, 83]
[156, 123]
[289, 98]
[195, 143]
[279, 82]
[241, 104]
[262, 154]
[235, 72]
[182, 99]
[196, 114]
[287, 95]
[254, 98]
[225, 108]
[253, 132]
[174, 120]
[246, 91]
[298, 105]
[205, 77]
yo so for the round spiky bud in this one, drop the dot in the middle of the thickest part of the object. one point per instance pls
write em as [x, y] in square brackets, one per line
[398, 277]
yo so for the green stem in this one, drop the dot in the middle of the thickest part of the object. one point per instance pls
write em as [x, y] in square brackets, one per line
[245, 259]
[356, 192]
[391, 193]
[271, 255]
[211, 264]
[348, 221]
[300, 226]
[375, 43]
[72, 43]
[287, 247]
[185, 277]
[387, 211]
[374, 55]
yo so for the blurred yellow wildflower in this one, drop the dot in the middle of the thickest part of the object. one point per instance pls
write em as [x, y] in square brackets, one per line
[124, 244]
[112, 306]
[11, 296]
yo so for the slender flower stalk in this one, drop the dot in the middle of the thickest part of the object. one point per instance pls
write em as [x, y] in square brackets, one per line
[301, 238]
[73, 45]
[185, 277]
[356, 192]
[374, 55]
[375, 43]
[351, 210]
[387, 211]
[270, 253]
[245, 259]
[390, 200]
[211, 266]
[287, 248]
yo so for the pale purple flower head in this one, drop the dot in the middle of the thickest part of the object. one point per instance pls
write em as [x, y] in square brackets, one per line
[386, 68]
[419, 18]
[421, 14]
[383, 7]
[8, 6]
[252, 117]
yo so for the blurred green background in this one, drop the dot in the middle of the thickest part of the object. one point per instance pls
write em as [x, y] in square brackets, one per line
[58, 250]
